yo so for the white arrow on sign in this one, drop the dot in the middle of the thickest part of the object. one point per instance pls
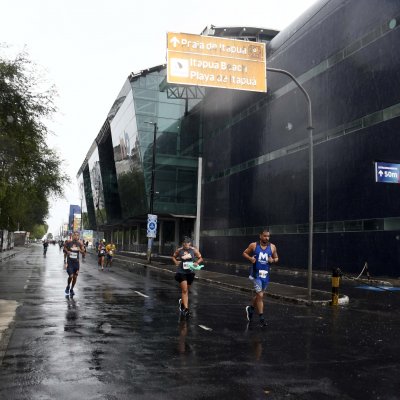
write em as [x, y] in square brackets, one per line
[175, 41]
[380, 172]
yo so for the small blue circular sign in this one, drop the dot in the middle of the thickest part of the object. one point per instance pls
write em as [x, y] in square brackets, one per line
[152, 226]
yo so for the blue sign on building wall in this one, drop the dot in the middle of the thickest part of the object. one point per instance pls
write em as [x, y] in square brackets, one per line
[387, 172]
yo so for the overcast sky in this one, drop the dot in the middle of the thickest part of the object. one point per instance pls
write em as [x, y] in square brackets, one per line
[87, 48]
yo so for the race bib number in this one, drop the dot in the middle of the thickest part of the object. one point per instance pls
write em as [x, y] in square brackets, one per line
[263, 273]
[186, 265]
[73, 255]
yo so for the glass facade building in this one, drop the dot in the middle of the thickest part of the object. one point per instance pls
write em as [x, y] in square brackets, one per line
[254, 148]
[119, 164]
[176, 149]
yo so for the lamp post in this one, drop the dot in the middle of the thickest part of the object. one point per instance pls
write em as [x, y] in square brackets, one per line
[310, 176]
[152, 220]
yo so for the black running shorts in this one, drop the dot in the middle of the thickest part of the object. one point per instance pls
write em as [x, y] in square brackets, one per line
[72, 266]
[184, 277]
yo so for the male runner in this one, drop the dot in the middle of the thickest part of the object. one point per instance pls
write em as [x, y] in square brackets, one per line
[84, 251]
[72, 249]
[110, 250]
[45, 246]
[65, 253]
[261, 255]
[184, 275]
[101, 252]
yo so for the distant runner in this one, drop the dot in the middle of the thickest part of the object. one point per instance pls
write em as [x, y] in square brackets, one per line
[72, 249]
[261, 255]
[84, 251]
[65, 254]
[101, 252]
[110, 251]
[45, 246]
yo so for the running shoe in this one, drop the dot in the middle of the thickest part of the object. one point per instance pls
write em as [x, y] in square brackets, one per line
[67, 290]
[71, 293]
[262, 322]
[249, 312]
[186, 313]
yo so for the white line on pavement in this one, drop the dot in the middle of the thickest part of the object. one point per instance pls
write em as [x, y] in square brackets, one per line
[141, 294]
[206, 328]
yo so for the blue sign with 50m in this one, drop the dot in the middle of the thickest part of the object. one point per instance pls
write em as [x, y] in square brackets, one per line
[387, 172]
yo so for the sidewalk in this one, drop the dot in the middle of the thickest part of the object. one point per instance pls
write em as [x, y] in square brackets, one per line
[294, 294]
[5, 255]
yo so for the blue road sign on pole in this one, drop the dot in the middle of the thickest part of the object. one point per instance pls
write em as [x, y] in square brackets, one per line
[151, 226]
[387, 172]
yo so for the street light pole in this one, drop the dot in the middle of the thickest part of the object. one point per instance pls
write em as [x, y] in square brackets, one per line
[310, 176]
[153, 168]
[153, 172]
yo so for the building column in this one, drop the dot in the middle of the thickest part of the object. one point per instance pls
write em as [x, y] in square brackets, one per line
[177, 239]
[160, 237]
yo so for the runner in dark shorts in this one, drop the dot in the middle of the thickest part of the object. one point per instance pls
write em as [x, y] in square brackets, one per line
[183, 256]
[101, 253]
[72, 249]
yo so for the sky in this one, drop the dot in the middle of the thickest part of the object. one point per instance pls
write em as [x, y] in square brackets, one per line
[87, 49]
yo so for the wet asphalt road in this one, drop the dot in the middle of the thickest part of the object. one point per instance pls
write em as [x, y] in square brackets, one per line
[120, 337]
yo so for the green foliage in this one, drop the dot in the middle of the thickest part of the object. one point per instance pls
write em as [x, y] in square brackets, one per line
[38, 231]
[30, 172]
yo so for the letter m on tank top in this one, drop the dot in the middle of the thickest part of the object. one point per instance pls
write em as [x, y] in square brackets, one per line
[262, 257]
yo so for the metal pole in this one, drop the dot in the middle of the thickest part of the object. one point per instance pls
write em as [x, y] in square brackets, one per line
[198, 209]
[153, 171]
[310, 176]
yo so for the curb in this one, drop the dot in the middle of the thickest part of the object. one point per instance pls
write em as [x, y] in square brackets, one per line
[4, 258]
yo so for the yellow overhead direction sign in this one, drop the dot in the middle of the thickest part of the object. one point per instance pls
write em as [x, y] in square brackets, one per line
[217, 62]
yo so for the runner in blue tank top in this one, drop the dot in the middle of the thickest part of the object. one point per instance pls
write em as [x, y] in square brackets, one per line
[261, 255]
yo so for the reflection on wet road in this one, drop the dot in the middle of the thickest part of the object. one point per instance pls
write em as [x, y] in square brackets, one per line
[120, 337]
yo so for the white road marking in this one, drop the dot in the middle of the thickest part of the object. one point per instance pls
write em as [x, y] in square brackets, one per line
[141, 294]
[206, 328]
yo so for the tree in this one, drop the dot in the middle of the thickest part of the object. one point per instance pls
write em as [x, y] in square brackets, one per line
[38, 231]
[30, 172]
